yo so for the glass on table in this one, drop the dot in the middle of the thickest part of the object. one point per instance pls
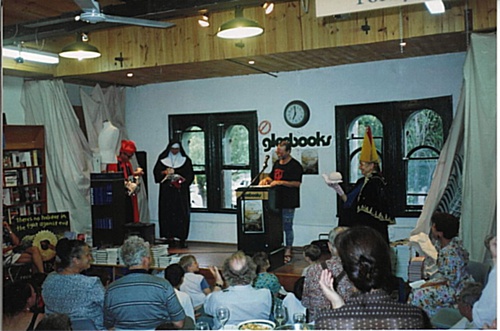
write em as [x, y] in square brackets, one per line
[202, 326]
[299, 318]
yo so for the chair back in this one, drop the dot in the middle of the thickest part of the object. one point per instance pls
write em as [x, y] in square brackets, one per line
[479, 271]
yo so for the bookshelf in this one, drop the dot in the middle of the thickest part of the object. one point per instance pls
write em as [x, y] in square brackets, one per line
[107, 198]
[24, 185]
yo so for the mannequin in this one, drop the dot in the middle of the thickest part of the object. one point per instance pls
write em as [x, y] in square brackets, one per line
[108, 143]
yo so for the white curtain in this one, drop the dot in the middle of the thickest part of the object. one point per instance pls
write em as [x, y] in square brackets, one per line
[473, 132]
[109, 104]
[479, 185]
[68, 156]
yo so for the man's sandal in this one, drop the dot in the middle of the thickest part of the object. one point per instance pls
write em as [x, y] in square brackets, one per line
[287, 259]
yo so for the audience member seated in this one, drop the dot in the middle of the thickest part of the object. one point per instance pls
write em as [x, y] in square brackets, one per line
[194, 283]
[313, 298]
[52, 322]
[469, 295]
[312, 253]
[174, 273]
[366, 260]
[243, 301]
[441, 290]
[485, 309]
[18, 300]
[292, 300]
[14, 252]
[265, 279]
[138, 300]
[67, 291]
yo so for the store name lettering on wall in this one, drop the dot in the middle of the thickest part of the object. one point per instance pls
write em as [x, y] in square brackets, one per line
[318, 140]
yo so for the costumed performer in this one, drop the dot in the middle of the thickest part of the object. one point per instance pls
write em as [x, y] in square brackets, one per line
[174, 172]
[366, 204]
[127, 151]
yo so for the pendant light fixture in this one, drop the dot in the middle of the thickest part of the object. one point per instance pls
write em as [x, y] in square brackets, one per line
[239, 27]
[80, 49]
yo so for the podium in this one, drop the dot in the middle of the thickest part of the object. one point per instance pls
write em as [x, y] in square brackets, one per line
[260, 228]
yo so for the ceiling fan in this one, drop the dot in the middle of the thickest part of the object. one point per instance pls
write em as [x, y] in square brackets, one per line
[92, 14]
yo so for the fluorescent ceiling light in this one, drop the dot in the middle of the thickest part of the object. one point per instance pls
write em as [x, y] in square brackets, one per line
[29, 55]
[435, 6]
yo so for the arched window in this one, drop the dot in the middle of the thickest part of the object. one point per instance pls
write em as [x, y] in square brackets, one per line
[193, 141]
[423, 141]
[224, 150]
[356, 135]
[236, 164]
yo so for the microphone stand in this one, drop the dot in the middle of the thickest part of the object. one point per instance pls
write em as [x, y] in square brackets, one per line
[245, 190]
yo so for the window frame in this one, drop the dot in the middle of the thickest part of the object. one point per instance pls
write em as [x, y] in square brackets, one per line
[393, 116]
[211, 123]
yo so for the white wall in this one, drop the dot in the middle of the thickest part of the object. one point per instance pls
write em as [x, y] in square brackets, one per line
[12, 100]
[148, 107]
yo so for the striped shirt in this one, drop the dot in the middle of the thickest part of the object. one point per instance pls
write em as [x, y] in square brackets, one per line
[140, 301]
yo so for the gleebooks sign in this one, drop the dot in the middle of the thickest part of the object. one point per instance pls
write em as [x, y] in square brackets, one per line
[337, 7]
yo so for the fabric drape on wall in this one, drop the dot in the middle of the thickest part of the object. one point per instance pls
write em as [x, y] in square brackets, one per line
[68, 156]
[479, 193]
[109, 104]
[473, 131]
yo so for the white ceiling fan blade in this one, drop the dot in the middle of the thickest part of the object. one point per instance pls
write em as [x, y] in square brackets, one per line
[88, 5]
[137, 21]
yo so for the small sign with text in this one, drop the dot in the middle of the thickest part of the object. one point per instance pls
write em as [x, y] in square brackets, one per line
[337, 7]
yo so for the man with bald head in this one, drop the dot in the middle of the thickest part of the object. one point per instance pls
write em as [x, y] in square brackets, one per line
[243, 301]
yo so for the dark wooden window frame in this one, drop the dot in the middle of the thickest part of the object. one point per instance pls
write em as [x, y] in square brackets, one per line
[211, 125]
[393, 116]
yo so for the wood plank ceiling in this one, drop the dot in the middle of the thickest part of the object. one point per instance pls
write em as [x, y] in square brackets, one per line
[21, 15]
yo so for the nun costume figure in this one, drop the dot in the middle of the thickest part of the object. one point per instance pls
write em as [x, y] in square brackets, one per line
[174, 172]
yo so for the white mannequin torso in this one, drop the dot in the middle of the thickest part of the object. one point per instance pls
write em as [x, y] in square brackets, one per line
[108, 143]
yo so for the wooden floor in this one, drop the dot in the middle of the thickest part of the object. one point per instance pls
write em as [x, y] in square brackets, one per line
[208, 254]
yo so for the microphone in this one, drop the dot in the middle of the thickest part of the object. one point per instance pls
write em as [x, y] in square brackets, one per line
[265, 161]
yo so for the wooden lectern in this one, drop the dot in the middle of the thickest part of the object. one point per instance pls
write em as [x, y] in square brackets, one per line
[259, 223]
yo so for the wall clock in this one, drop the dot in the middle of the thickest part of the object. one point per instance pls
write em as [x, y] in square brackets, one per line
[297, 113]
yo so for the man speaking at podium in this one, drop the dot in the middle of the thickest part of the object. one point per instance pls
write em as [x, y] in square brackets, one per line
[286, 177]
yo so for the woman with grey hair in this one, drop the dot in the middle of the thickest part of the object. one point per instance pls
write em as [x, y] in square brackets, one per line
[67, 291]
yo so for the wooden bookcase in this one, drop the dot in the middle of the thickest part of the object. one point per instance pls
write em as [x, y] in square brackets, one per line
[24, 176]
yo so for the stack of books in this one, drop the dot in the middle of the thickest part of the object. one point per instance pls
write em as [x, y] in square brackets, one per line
[416, 268]
[159, 254]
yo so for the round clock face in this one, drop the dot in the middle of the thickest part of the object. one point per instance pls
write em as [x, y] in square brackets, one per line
[296, 113]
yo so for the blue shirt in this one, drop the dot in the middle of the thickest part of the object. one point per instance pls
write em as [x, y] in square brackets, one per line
[78, 296]
[140, 301]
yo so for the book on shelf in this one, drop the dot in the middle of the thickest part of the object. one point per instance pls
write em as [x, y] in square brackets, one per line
[24, 176]
[10, 178]
[25, 159]
[36, 157]
[7, 198]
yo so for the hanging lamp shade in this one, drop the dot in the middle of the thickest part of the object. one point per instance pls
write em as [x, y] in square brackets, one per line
[80, 50]
[239, 27]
